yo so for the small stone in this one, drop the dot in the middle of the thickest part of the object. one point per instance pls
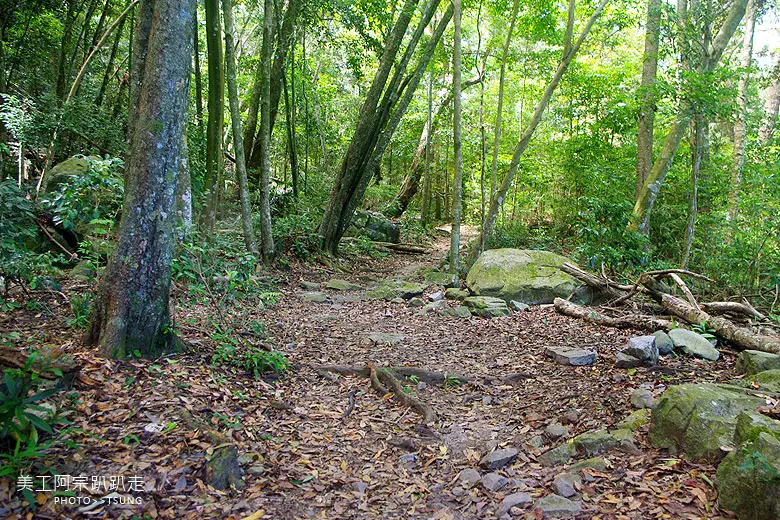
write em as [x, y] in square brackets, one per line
[385, 338]
[468, 477]
[422, 385]
[456, 312]
[558, 455]
[498, 458]
[360, 487]
[487, 306]
[571, 416]
[416, 302]
[494, 482]
[537, 441]
[641, 398]
[398, 301]
[519, 307]
[636, 420]
[456, 294]
[458, 491]
[625, 361]
[438, 295]
[256, 469]
[517, 500]
[555, 506]
[693, 344]
[566, 484]
[434, 306]
[594, 443]
[487, 400]
[408, 459]
[343, 285]
[317, 297]
[642, 348]
[571, 356]
[663, 342]
[310, 286]
[597, 463]
[555, 431]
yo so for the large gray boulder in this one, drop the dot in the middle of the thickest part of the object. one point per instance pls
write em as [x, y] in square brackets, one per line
[374, 226]
[63, 172]
[525, 275]
[754, 361]
[748, 479]
[693, 344]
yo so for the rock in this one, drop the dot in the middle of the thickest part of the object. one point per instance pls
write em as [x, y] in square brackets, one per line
[571, 356]
[342, 285]
[433, 277]
[643, 348]
[693, 344]
[499, 458]
[390, 289]
[556, 431]
[374, 226]
[766, 381]
[422, 385]
[398, 301]
[558, 455]
[63, 172]
[663, 342]
[625, 361]
[434, 306]
[636, 420]
[223, 469]
[641, 398]
[456, 312]
[597, 463]
[486, 306]
[416, 302]
[527, 276]
[494, 482]
[594, 443]
[566, 484]
[751, 424]
[409, 460]
[386, 338]
[754, 361]
[519, 307]
[698, 419]
[537, 441]
[84, 271]
[437, 296]
[571, 416]
[454, 293]
[468, 477]
[310, 286]
[513, 500]
[554, 506]
[359, 486]
[458, 491]
[316, 297]
[748, 479]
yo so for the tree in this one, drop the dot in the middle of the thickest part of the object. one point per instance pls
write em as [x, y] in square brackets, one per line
[771, 106]
[216, 119]
[131, 308]
[238, 138]
[644, 160]
[457, 146]
[268, 248]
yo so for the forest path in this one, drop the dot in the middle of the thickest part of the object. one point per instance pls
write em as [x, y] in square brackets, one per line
[380, 462]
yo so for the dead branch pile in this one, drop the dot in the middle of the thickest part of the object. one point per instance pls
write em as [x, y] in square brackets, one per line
[652, 293]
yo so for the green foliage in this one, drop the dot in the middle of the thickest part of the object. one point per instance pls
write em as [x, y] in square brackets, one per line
[234, 353]
[80, 305]
[90, 202]
[704, 330]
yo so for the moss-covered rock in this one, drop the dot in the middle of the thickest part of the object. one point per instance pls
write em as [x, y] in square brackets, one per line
[391, 289]
[434, 277]
[636, 420]
[374, 226]
[487, 306]
[454, 293]
[223, 469]
[595, 443]
[62, 172]
[528, 276]
[750, 424]
[767, 382]
[342, 285]
[748, 479]
[698, 419]
[754, 361]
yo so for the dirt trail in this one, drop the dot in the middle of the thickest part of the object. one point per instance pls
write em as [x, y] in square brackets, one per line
[304, 459]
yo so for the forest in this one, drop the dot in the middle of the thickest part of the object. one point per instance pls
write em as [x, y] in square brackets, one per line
[389, 259]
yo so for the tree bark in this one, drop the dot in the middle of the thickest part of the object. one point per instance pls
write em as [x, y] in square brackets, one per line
[426, 149]
[644, 160]
[198, 76]
[771, 106]
[67, 33]
[693, 203]
[216, 120]
[457, 146]
[630, 321]
[268, 248]
[238, 138]
[110, 67]
[131, 309]
[289, 110]
[570, 51]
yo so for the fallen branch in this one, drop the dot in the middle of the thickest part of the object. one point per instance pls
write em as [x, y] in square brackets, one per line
[632, 321]
[425, 411]
[351, 403]
[733, 308]
[50, 364]
[438, 378]
[600, 283]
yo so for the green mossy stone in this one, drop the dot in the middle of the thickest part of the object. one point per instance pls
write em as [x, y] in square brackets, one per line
[527, 276]
[754, 361]
[748, 479]
[456, 294]
[342, 285]
[224, 470]
[751, 424]
[636, 420]
[433, 277]
[595, 443]
[392, 289]
[698, 419]
[558, 455]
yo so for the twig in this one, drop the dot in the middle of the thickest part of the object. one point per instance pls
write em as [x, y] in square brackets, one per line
[351, 403]
[72, 255]
[684, 288]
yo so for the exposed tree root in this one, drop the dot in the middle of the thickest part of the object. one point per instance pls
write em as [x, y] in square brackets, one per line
[630, 321]
[436, 378]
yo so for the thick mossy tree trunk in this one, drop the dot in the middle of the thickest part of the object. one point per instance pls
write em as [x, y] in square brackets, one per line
[644, 154]
[216, 118]
[131, 309]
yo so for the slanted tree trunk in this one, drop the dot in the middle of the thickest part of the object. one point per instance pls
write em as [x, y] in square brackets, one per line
[211, 184]
[644, 159]
[740, 128]
[268, 248]
[771, 106]
[131, 309]
[457, 146]
[640, 219]
[238, 138]
[570, 50]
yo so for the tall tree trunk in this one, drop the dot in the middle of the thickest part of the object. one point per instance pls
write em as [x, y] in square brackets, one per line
[425, 143]
[640, 218]
[289, 110]
[570, 49]
[647, 97]
[693, 204]
[771, 106]
[457, 146]
[81, 40]
[198, 76]
[238, 138]
[110, 66]
[132, 310]
[212, 185]
[67, 33]
[740, 127]
[268, 247]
